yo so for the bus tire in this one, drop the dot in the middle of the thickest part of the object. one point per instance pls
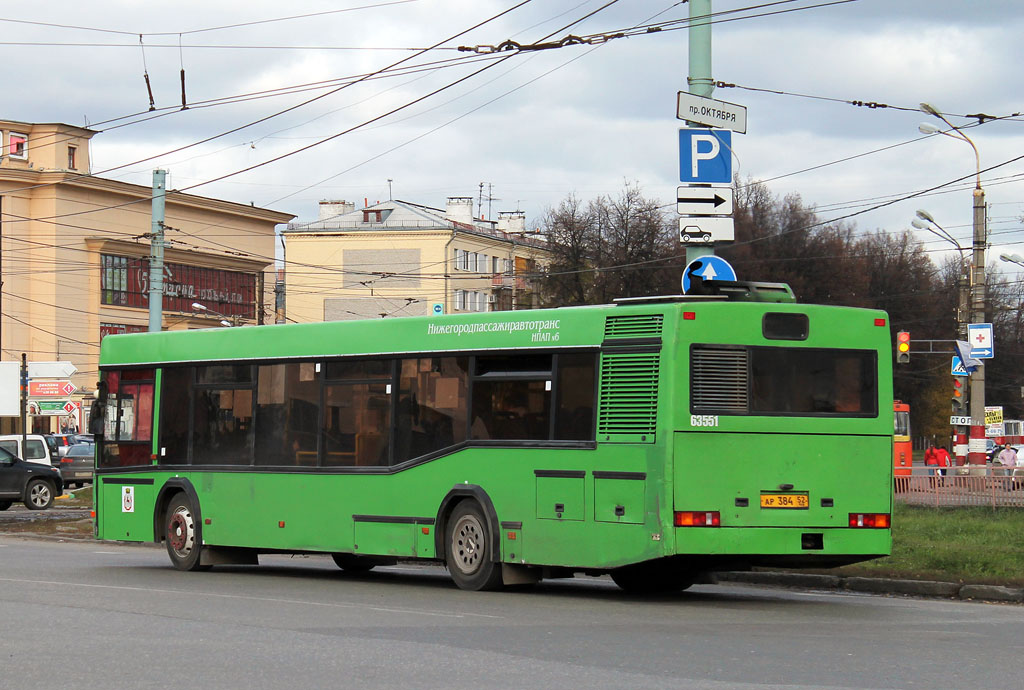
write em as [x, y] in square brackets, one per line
[351, 563]
[182, 535]
[468, 549]
[39, 494]
[651, 578]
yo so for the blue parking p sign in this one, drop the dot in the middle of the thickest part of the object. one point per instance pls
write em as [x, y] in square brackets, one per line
[705, 156]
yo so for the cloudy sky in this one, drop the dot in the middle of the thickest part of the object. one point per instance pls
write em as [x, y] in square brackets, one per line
[263, 82]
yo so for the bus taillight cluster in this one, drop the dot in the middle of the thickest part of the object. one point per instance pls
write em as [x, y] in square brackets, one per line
[698, 518]
[875, 520]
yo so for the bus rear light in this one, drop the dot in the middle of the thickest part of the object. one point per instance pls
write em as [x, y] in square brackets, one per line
[871, 520]
[689, 316]
[879, 322]
[697, 518]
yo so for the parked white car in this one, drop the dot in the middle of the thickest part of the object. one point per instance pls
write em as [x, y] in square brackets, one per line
[33, 449]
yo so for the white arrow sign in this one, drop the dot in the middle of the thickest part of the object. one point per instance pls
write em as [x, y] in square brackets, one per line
[51, 370]
[704, 201]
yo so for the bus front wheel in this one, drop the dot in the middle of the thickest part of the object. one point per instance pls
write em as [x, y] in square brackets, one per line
[468, 554]
[181, 535]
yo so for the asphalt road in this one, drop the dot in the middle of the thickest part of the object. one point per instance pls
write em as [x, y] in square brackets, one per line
[112, 616]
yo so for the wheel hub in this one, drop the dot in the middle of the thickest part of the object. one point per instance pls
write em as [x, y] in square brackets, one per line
[465, 543]
[179, 532]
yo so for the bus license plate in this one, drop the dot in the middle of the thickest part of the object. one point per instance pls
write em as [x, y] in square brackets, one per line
[785, 501]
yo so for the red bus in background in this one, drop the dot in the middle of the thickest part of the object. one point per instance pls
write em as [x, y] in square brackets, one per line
[902, 452]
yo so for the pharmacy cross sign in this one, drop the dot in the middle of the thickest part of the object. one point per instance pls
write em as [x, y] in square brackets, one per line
[979, 335]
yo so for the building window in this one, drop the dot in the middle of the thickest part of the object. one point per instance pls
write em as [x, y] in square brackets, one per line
[17, 145]
[115, 279]
[72, 155]
[124, 281]
[460, 300]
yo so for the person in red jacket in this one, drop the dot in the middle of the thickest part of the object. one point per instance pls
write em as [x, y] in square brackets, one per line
[931, 460]
[942, 460]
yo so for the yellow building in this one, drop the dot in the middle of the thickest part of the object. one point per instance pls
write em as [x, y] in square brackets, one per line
[74, 248]
[397, 258]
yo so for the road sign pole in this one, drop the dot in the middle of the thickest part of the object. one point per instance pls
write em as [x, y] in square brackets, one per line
[699, 79]
[24, 398]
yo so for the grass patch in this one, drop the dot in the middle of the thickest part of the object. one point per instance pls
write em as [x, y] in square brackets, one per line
[82, 498]
[970, 544]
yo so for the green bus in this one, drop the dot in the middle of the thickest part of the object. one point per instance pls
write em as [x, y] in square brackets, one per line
[655, 440]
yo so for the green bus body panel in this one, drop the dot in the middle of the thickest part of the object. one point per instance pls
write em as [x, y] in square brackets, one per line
[574, 327]
[650, 457]
[246, 509]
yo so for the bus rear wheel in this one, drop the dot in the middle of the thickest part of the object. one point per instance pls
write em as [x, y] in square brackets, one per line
[182, 535]
[652, 578]
[351, 563]
[468, 553]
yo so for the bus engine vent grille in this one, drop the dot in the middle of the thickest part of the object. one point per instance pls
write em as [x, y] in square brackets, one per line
[719, 380]
[639, 326]
[629, 397]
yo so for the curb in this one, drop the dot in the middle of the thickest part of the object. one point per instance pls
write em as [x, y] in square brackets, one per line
[876, 585]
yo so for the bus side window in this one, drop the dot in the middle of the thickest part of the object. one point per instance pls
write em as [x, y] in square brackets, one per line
[512, 397]
[431, 406]
[577, 383]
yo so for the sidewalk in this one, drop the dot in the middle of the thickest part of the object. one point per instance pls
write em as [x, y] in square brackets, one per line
[875, 585]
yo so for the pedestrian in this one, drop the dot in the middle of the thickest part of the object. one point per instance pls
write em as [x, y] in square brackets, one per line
[931, 460]
[1008, 459]
[943, 461]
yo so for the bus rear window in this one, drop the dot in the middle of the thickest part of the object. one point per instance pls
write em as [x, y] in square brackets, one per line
[783, 381]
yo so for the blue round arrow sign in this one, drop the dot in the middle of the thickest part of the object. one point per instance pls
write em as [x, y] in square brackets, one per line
[709, 267]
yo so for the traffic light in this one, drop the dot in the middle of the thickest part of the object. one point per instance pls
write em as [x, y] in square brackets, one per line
[959, 396]
[903, 347]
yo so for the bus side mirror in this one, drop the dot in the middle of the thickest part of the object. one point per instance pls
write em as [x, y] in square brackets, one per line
[96, 418]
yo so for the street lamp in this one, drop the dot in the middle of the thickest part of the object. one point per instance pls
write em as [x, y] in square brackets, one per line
[977, 446]
[925, 221]
[224, 319]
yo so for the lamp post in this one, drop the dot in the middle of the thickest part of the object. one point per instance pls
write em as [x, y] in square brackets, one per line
[223, 318]
[925, 221]
[976, 447]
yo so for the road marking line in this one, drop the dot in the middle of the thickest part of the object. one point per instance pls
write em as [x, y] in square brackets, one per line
[385, 609]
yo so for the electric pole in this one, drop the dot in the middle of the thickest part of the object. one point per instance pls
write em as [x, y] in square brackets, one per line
[156, 253]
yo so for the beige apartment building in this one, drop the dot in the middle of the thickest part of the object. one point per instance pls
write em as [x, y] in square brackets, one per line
[397, 258]
[74, 256]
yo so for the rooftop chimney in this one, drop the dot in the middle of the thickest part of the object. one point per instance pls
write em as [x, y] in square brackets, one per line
[512, 221]
[329, 210]
[459, 209]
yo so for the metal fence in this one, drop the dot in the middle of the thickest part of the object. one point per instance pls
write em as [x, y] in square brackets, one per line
[994, 487]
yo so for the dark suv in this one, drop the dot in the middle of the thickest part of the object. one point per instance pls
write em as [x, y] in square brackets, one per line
[34, 484]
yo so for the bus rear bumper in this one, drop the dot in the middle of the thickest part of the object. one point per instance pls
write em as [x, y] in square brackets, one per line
[785, 546]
